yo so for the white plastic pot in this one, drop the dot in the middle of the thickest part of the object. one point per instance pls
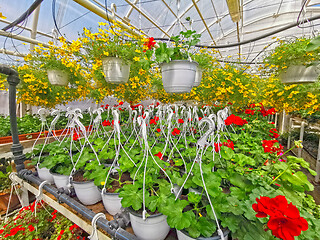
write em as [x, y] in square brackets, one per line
[111, 202]
[115, 70]
[87, 192]
[178, 76]
[155, 227]
[58, 77]
[300, 74]
[197, 81]
[183, 235]
[45, 175]
[61, 181]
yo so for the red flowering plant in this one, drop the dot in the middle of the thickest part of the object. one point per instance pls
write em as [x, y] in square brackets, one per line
[25, 225]
[285, 221]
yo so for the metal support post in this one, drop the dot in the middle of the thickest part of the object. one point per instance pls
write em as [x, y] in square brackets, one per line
[289, 132]
[301, 138]
[318, 165]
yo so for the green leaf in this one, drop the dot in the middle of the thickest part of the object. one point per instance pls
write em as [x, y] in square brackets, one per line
[131, 196]
[194, 198]
[313, 44]
[226, 153]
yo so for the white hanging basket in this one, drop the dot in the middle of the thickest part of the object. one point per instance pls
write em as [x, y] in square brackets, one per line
[300, 74]
[178, 76]
[183, 235]
[197, 81]
[61, 181]
[155, 227]
[58, 77]
[111, 202]
[115, 70]
[87, 192]
[45, 175]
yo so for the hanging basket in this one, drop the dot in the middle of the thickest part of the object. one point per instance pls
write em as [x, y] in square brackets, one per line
[300, 74]
[115, 70]
[111, 202]
[197, 81]
[58, 77]
[178, 76]
[45, 175]
[87, 192]
[61, 181]
[155, 227]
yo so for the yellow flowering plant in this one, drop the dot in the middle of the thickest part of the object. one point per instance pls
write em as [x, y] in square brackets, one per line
[291, 53]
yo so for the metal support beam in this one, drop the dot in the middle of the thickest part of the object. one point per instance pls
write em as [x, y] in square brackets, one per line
[34, 26]
[131, 9]
[26, 28]
[102, 13]
[179, 17]
[22, 38]
[170, 9]
[147, 17]
[5, 51]
[204, 22]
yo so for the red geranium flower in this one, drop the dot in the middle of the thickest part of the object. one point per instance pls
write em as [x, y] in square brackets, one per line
[285, 221]
[274, 133]
[120, 103]
[75, 136]
[31, 228]
[229, 144]
[150, 43]
[106, 123]
[200, 118]
[159, 155]
[249, 111]
[180, 120]
[235, 120]
[156, 118]
[268, 146]
[175, 132]
[152, 121]
[158, 130]
[217, 146]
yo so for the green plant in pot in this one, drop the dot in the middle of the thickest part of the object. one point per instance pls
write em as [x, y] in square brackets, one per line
[295, 61]
[113, 50]
[204, 59]
[178, 69]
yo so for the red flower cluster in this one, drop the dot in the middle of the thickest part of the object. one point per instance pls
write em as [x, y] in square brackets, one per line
[274, 133]
[159, 155]
[249, 111]
[265, 112]
[150, 44]
[228, 144]
[106, 123]
[133, 107]
[235, 120]
[53, 215]
[180, 120]
[76, 136]
[158, 130]
[268, 146]
[285, 221]
[175, 132]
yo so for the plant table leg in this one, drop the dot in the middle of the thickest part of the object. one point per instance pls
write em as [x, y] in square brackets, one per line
[318, 165]
[24, 197]
[301, 138]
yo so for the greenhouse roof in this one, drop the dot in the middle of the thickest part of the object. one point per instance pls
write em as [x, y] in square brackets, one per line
[220, 22]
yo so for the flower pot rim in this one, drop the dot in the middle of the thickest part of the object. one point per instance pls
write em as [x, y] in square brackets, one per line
[57, 174]
[133, 212]
[182, 60]
[118, 58]
[84, 182]
[107, 193]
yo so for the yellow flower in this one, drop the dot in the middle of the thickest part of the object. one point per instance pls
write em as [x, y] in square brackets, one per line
[137, 51]
[102, 183]
[137, 59]
[105, 53]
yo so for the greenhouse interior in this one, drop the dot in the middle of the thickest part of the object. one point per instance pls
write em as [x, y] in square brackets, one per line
[160, 119]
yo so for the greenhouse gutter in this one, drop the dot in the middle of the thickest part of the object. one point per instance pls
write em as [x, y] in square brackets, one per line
[111, 227]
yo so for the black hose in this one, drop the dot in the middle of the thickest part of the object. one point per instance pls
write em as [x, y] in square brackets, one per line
[25, 15]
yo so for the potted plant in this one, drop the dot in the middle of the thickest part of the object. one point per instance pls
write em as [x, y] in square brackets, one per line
[294, 61]
[114, 50]
[177, 68]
